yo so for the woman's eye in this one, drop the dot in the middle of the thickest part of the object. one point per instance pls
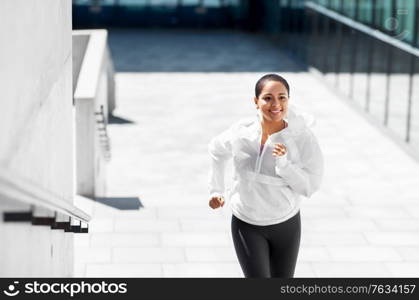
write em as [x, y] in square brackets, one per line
[267, 99]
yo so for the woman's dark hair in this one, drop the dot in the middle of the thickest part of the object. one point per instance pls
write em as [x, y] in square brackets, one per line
[270, 77]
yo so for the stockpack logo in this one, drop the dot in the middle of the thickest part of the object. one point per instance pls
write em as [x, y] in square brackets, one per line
[12, 289]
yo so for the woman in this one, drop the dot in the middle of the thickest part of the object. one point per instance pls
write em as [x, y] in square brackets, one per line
[277, 161]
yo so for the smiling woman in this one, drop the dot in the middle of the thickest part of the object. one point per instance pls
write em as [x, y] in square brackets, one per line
[277, 161]
[271, 99]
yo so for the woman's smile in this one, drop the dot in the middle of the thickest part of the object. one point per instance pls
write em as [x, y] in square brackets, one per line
[276, 111]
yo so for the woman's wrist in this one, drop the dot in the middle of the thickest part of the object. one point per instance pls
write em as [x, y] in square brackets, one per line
[282, 160]
[216, 194]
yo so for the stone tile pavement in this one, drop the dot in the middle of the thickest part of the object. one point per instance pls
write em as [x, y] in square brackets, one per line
[364, 221]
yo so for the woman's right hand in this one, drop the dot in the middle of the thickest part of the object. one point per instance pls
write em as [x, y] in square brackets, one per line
[216, 202]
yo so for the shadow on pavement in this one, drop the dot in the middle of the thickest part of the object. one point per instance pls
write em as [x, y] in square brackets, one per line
[118, 120]
[122, 203]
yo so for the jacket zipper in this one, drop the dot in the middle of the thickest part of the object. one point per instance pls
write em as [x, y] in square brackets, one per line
[259, 159]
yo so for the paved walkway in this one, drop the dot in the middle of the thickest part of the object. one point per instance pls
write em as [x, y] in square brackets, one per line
[363, 222]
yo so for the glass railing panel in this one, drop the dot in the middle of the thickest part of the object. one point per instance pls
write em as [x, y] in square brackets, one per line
[378, 80]
[344, 59]
[361, 69]
[399, 91]
[334, 42]
[414, 117]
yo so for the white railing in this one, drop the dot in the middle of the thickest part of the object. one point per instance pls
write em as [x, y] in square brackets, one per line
[94, 99]
[41, 206]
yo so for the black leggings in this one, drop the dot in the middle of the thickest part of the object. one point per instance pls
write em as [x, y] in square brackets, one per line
[267, 251]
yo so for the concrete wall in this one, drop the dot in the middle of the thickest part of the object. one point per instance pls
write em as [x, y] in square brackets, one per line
[79, 43]
[37, 126]
[94, 88]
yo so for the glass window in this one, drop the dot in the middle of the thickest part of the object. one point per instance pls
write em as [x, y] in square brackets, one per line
[297, 3]
[108, 2]
[233, 2]
[323, 3]
[212, 3]
[335, 5]
[365, 11]
[163, 2]
[133, 2]
[378, 14]
[190, 2]
[348, 8]
[385, 12]
[405, 16]
[284, 3]
[81, 2]
[417, 32]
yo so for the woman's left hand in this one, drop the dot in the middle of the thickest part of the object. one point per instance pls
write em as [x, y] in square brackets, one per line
[279, 150]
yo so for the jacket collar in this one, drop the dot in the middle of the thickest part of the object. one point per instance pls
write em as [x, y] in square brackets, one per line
[298, 122]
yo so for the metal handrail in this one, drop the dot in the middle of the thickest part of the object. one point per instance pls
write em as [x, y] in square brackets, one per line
[103, 136]
[23, 190]
[363, 28]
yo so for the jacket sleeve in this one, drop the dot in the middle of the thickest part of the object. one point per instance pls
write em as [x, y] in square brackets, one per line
[220, 152]
[306, 178]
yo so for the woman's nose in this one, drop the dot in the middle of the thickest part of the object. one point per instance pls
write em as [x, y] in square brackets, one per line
[277, 102]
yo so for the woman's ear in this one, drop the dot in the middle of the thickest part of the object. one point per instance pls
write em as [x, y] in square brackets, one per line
[255, 99]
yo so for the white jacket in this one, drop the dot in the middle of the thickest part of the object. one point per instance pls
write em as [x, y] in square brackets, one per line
[266, 189]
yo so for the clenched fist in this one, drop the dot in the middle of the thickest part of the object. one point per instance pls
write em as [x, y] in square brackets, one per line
[279, 150]
[216, 202]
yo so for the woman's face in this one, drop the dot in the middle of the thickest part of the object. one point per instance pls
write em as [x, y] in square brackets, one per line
[273, 101]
